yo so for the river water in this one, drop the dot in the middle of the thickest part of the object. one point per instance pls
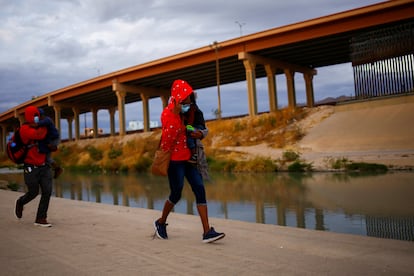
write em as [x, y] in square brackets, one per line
[378, 205]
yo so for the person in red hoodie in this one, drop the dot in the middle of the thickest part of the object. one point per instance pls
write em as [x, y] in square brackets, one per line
[174, 139]
[36, 171]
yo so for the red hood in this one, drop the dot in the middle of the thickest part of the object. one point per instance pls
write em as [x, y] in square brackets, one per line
[30, 112]
[180, 90]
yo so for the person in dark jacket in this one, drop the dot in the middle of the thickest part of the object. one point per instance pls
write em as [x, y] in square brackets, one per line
[37, 173]
[50, 143]
[194, 121]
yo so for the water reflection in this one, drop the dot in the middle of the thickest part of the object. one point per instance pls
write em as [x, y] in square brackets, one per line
[373, 205]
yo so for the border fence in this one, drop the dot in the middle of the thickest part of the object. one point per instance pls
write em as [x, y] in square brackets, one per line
[383, 61]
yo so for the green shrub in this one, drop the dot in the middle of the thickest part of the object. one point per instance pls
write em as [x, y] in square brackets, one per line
[299, 166]
[123, 169]
[366, 167]
[94, 153]
[13, 186]
[339, 163]
[290, 156]
[273, 122]
[296, 167]
[143, 164]
[256, 165]
[221, 165]
[64, 151]
[238, 126]
[114, 153]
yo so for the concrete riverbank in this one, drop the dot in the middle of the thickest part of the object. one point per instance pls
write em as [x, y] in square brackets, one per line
[97, 239]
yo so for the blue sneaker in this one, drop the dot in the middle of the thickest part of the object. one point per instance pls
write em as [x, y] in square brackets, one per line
[212, 236]
[161, 230]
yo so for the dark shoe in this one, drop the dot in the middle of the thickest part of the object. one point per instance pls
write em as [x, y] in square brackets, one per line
[161, 230]
[42, 223]
[19, 209]
[58, 171]
[212, 236]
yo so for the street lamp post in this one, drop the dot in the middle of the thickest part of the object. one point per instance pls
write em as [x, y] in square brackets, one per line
[216, 46]
[240, 25]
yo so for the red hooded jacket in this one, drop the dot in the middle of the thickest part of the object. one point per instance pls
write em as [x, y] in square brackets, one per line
[30, 135]
[173, 130]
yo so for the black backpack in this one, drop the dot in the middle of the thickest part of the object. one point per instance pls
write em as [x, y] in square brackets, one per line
[16, 149]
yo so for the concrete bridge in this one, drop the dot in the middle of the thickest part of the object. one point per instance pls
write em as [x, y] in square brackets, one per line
[296, 48]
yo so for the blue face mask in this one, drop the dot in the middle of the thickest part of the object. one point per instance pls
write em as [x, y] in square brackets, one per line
[185, 108]
[36, 119]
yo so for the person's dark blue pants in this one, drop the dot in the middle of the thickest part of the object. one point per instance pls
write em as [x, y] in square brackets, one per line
[191, 142]
[35, 178]
[176, 173]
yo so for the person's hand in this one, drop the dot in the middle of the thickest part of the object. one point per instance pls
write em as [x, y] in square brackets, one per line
[196, 134]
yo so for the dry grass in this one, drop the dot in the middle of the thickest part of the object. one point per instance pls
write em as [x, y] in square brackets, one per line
[277, 129]
[110, 154]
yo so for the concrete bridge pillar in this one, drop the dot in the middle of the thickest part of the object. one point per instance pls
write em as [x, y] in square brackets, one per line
[112, 120]
[290, 82]
[145, 94]
[310, 99]
[94, 111]
[121, 109]
[70, 134]
[250, 67]
[57, 109]
[77, 124]
[250, 60]
[145, 111]
[271, 84]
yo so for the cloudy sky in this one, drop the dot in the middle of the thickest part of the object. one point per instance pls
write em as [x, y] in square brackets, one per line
[46, 44]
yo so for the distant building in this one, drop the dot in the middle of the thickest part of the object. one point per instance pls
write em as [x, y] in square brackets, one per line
[137, 125]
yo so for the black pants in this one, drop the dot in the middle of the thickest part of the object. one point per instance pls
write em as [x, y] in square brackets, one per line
[35, 178]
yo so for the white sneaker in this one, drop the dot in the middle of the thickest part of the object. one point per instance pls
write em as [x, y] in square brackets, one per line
[42, 223]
